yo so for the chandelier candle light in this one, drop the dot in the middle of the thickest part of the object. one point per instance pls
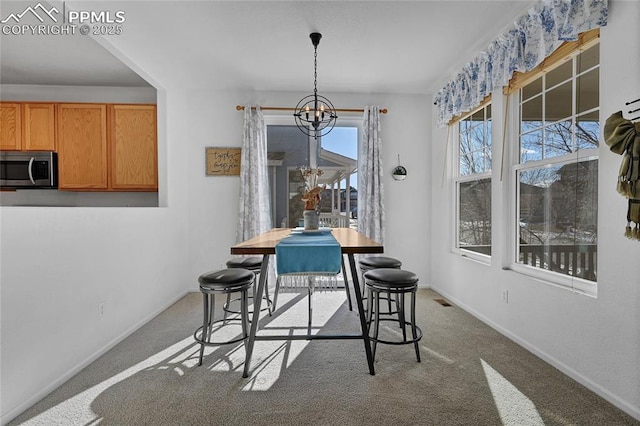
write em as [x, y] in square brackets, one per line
[315, 115]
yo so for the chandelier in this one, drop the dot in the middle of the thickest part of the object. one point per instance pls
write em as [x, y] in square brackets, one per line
[315, 115]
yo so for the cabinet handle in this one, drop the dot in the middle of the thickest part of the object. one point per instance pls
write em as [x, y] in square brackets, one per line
[31, 171]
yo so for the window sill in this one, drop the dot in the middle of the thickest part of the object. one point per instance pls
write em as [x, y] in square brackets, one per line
[472, 256]
[565, 282]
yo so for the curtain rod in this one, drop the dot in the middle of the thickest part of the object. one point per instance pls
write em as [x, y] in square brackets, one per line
[266, 108]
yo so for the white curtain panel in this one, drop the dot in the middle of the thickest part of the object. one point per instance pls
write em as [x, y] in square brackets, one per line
[370, 188]
[536, 34]
[254, 215]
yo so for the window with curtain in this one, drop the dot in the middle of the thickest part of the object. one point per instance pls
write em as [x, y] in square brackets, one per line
[473, 183]
[557, 170]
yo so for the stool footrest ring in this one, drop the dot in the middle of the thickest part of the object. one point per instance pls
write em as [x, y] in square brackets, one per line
[397, 342]
[227, 309]
[197, 335]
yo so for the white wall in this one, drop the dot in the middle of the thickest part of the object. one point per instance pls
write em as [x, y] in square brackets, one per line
[59, 264]
[594, 340]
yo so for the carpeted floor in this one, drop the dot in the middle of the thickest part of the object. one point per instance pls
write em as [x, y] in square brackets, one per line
[469, 375]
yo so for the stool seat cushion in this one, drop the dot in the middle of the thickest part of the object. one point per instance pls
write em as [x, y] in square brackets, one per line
[392, 278]
[226, 278]
[250, 263]
[372, 262]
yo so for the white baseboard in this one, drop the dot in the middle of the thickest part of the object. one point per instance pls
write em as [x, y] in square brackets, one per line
[578, 377]
[16, 411]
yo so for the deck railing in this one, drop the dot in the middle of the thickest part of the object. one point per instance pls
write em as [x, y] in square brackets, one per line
[580, 260]
[331, 220]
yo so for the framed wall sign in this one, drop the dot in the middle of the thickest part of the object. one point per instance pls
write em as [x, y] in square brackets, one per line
[223, 161]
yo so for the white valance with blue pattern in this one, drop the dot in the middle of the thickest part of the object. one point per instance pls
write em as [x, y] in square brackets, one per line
[536, 34]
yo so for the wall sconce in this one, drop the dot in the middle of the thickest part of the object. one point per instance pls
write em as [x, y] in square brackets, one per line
[399, 173]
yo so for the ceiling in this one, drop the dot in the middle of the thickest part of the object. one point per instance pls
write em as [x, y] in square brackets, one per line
[367, 46]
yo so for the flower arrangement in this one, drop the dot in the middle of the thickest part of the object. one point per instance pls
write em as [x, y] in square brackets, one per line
[311, 193]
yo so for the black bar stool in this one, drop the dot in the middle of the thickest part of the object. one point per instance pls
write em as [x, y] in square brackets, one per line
[253, 264]
[400, 283]
[224, 281]
[377, 262]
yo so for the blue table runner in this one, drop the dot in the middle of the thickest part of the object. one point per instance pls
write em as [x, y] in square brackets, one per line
[308, 254]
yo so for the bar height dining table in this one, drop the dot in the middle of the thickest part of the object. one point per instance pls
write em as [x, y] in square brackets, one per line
[351, 242]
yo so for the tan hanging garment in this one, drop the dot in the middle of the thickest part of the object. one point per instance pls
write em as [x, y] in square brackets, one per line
[622, 136]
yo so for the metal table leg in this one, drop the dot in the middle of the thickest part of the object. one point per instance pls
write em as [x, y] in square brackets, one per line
[256, 314]
[361, 314]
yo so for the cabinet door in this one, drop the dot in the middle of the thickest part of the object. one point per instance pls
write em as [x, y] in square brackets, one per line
[39, 127]
[10, 127]
[133, 144]
[82, 146]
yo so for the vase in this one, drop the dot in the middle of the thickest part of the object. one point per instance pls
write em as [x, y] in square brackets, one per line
[311, 219]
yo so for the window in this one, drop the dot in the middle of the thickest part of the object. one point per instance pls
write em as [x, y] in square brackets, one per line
[336, 154]
[557, 170]
[473, 184]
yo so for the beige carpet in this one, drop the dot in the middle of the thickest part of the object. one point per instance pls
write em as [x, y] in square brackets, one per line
[469, 375]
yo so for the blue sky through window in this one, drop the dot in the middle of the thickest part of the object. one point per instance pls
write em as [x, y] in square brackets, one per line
[343, 141]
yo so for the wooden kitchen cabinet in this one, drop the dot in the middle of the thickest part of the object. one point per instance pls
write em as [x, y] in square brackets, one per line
[82, 146]
[39, 127]
[133, 147]
[10, 127]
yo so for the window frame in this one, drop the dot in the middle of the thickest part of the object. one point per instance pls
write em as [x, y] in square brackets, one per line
[569, 282]
[459, 179]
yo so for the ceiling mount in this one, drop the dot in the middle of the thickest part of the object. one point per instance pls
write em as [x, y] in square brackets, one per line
[315, 39]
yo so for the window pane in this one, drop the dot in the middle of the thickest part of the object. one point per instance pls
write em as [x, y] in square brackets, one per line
[474, 143]
[531, 146]
[477, 138]
[532, 89]
[585, 230]
[588, 131]
[588, 95]
[478, 116]
[559, 74]
[557, 221]
[531, 114]
[588, 59]
[558, 103]
[477, 162]
[487, 160]
[474, 226]
[558, 139]
[466, 164]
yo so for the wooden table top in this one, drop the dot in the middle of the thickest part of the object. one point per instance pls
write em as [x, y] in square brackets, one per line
[351, 241]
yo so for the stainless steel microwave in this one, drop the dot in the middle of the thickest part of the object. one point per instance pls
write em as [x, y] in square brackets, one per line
[20, 170]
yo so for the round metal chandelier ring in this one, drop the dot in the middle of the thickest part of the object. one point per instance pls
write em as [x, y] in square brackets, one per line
[315, 115]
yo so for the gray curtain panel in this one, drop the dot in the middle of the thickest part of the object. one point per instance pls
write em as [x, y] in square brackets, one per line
[370, 187]
[254, 215]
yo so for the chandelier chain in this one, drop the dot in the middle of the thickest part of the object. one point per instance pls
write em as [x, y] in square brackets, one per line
[315, 70]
